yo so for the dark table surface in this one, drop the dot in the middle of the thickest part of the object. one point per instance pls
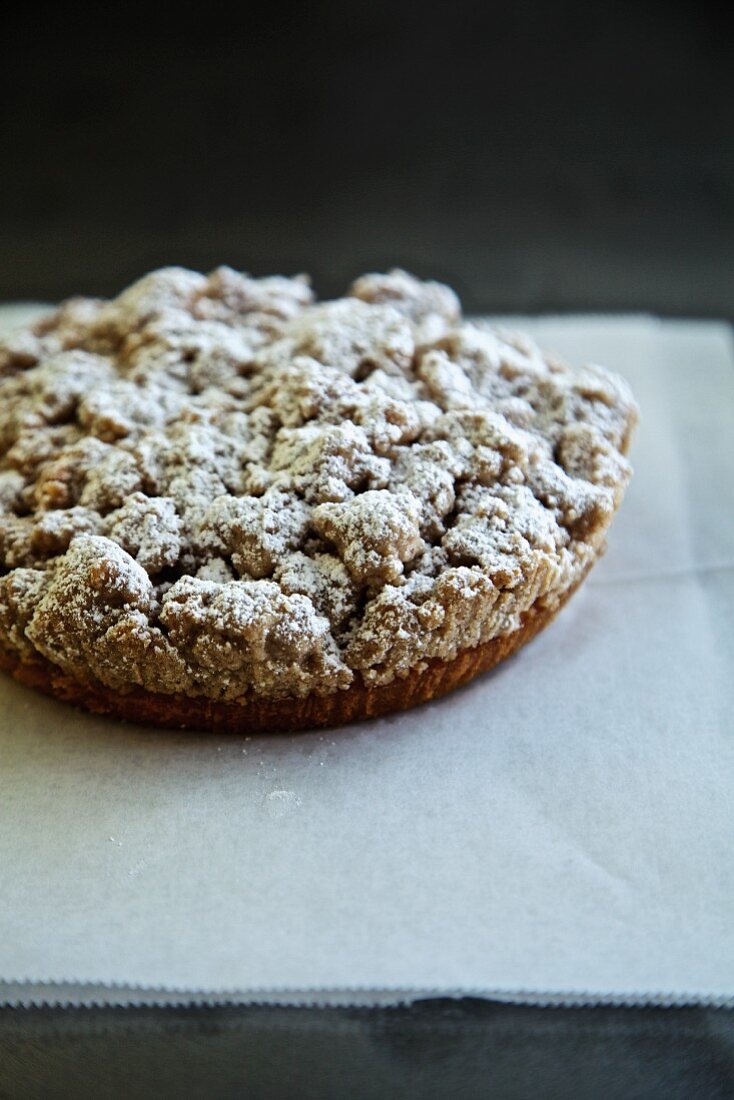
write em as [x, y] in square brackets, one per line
[462, 1049]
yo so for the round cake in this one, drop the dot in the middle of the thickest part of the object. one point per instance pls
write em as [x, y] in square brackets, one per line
[225, 505]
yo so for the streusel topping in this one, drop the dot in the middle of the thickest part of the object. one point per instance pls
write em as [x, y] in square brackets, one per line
[216, 486]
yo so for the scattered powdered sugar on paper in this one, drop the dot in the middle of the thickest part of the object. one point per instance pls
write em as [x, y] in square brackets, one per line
[215, 486]
[281, 803]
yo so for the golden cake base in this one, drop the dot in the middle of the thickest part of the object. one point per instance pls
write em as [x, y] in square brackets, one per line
[256, 714]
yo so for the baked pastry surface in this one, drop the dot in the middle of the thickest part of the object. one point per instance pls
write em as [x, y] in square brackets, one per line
[225, 505]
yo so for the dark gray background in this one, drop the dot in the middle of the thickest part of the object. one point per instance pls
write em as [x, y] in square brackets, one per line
[434, 1050]
[539, 155]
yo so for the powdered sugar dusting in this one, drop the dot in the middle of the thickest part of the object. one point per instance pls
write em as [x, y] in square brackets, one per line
[212, 485]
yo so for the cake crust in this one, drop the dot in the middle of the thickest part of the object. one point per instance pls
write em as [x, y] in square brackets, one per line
[256, 714]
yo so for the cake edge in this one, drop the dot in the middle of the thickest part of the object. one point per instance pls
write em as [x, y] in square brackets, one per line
[258, 714]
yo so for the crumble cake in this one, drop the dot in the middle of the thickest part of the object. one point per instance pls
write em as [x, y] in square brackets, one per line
[226, 505]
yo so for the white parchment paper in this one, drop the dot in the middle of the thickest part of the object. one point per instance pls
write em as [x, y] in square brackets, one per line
[560, 829]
